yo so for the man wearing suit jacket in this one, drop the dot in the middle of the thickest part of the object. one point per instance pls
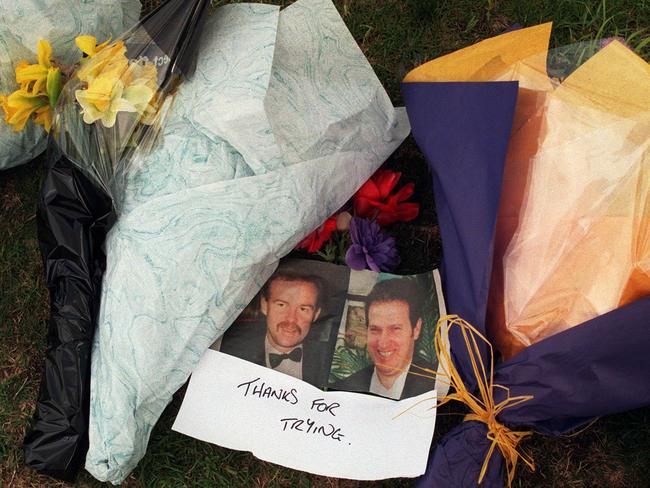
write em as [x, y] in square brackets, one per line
[291, 303]
[394, 323]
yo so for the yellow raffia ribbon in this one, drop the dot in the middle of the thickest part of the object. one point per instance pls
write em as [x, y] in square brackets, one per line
[483, 406]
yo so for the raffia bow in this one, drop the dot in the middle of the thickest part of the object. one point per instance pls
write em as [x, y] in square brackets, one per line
[483, 406]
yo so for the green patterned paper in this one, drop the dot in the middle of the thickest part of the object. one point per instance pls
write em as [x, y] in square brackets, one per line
[282, 122]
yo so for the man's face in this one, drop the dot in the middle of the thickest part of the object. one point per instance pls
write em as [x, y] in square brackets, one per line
[290, 310]
[391, 337]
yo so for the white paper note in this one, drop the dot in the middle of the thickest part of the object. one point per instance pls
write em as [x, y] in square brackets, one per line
[239, 405]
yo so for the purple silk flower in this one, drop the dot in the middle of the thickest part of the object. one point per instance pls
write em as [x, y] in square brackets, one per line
[371, 248]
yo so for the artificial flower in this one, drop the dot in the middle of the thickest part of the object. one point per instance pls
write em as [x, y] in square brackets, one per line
[314, 241]
[371, 248]
[343, 221]
[374, 199]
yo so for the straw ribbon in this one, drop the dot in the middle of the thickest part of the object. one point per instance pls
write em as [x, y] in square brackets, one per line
[483, 406]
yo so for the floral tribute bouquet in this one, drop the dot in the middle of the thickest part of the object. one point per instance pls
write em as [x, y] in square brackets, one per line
[540, 170]
[39, 74]
[356, 234]
[100, 113]
[40, 87]
[104, 84]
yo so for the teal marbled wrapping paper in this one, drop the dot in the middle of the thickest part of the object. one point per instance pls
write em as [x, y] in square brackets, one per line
[283, 120]
[23, 24]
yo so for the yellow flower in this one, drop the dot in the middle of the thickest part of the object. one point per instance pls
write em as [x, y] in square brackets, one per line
[33, 77]
[141, 73]
[146, 74]
[44, 117]
[110, 60]
[88, 45]
[112, 83]
[44, 51]
[106, 96]
[40, 86]
[20, 105]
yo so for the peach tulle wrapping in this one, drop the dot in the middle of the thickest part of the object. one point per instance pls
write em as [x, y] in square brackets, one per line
[573, 231]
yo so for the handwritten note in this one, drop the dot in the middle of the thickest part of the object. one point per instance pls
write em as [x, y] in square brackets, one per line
[239, 405]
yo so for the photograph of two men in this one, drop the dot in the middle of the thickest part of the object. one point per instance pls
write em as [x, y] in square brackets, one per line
[340, 329]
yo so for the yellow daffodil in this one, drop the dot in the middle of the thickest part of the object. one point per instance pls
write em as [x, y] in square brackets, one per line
[88, 45]
[110, 60]
[20, 105]
[106, 96]
[144, 74]
[141, 73]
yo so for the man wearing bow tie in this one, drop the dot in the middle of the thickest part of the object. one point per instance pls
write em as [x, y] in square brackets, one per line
[290, 302]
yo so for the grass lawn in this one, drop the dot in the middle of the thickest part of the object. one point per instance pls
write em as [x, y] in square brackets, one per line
[396, 35]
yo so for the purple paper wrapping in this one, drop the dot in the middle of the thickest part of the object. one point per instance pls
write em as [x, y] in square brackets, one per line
[463, 129]
[598, 368]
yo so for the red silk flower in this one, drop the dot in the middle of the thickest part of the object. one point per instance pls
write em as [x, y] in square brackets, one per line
[314, 241]
[374, 199]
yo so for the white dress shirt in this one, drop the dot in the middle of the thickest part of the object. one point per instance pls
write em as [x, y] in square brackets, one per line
[395, 391]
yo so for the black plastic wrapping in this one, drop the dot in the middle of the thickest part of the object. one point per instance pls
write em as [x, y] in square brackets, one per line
[75, 213]
[73, 219]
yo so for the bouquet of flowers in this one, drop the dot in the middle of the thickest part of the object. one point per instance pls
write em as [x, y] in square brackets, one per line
[355, 235]
[28, 110]
[540, 167]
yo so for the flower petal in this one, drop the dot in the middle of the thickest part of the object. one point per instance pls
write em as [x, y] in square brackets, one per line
[44, 117]
[30, 72]
[368, 190]
[386, 181]
[371, 247]
[86, 44]
[122, 105]
[21, 106]
[108, 118]
[138, 96]
[405, 192]
[355, 258]
[372, 265]
[44, 53]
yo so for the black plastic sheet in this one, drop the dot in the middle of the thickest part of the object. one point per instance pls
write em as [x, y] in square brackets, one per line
[73, 219]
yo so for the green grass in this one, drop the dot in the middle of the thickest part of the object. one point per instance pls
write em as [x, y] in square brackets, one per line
[396, 36]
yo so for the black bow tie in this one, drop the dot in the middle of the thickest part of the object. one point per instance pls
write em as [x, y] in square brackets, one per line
[276, 359]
